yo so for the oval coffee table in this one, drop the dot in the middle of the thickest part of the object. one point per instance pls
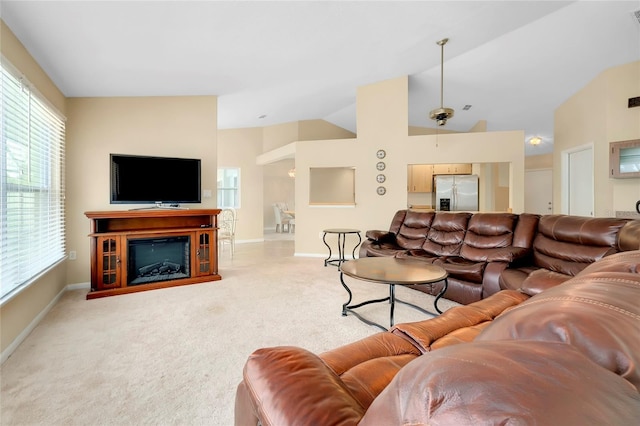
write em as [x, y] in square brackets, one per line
[391, 271]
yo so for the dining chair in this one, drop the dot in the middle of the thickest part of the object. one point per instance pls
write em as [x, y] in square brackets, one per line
[281, 218]
[227, 230]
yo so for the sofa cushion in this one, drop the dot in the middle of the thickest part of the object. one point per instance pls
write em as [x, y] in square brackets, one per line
[414, 229]
[396, 221]
[628, 261]
[383, 250]
[463, 269]
[567, 244]
[486, 234]
[512, 279]
[541, 280]
[505, 383]
[418, 254]
[598, 313]
[446, 234]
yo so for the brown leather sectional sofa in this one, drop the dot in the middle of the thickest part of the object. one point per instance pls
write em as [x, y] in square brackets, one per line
[488, 252]
[567, 355]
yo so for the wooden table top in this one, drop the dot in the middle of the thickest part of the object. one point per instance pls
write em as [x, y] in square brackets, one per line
[389, 270]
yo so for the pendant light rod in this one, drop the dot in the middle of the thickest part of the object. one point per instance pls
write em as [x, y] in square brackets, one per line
[441, 43]
[442, 114]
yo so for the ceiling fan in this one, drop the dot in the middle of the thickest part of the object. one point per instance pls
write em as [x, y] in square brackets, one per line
[442, 114]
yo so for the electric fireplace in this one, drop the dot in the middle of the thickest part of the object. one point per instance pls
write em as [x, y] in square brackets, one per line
[139, 250]
[158, 259]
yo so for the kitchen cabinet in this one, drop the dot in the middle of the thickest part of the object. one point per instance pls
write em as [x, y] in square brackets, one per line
[624, 159]
[420, 178]
[452, 169]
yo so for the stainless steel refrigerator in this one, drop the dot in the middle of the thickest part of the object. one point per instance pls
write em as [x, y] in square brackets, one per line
[456, 192]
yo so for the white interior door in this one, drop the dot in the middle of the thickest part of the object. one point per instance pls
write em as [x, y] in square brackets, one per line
[580, 182]
[538, 189]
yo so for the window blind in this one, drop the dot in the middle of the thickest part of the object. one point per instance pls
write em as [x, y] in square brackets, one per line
[32, 221]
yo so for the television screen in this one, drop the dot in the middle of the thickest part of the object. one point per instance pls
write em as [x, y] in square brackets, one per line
[143, 179]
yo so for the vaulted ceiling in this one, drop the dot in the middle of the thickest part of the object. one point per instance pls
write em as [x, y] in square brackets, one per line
[273, 62]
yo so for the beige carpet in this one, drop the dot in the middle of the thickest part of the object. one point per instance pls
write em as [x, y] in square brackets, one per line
[175, 356]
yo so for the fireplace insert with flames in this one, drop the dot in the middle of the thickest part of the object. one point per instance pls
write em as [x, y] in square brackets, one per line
[158, 259]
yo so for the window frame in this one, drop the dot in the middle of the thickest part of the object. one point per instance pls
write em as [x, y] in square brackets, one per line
[32, 183]
[234, 189]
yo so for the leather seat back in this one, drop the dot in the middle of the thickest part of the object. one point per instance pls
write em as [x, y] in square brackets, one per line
[446, 234]
[487, 231]
[567, 244]
[397, 220]
[414, 229]
[596, 312]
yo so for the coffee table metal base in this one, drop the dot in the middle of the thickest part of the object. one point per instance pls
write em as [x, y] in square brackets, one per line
[346, 308]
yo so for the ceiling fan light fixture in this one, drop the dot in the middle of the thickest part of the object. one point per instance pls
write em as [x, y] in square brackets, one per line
[535, 140]
[442, 114]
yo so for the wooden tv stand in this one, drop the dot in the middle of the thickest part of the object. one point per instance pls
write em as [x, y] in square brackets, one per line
[113, 233]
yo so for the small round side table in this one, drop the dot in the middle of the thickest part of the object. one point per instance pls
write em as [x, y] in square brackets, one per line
[342, 236]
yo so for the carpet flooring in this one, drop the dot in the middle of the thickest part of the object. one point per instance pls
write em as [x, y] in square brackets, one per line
[175, 356]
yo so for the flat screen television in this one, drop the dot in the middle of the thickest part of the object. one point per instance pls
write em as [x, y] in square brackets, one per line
[137, 179]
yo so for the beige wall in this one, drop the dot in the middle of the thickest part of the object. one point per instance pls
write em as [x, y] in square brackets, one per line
[17, 314]
[278, 135]
[598, 114]
[97, 127]
[320, 129]
[415, 131]
[239, 148]
[270, 182]
[382, 124]
[537, 162]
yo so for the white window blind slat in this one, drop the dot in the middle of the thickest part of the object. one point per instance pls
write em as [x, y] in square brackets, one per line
[32, 221]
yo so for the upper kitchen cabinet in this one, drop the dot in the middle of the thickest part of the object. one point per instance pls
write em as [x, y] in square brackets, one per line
[420, 178]
[452, 169]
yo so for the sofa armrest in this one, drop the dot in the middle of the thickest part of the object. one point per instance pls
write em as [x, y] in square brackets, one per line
[381, 236]
[507, 254]
[292, 386]
[629, 236]
[424, 334]
[491, 278]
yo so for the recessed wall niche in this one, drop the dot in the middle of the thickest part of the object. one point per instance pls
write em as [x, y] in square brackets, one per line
[332, 185]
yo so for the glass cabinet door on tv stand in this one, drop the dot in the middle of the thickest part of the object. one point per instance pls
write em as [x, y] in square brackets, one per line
[205, 259]
[109, 262]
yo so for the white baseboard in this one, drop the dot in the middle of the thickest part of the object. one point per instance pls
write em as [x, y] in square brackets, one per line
[309, 255]
[78, 286]
[33, 324]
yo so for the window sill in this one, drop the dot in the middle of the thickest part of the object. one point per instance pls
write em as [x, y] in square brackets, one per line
[14, 292]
